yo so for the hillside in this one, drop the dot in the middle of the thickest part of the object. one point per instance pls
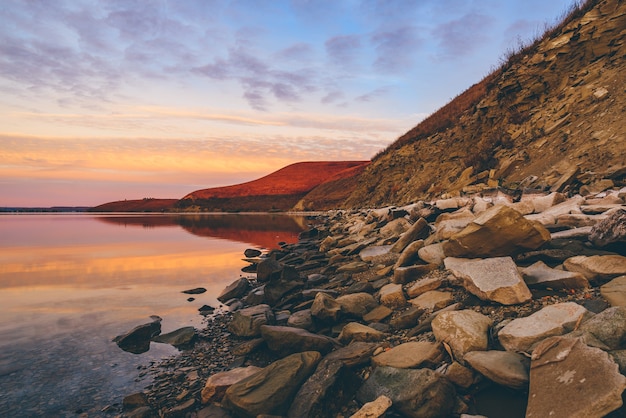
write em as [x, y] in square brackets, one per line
[280, 190]
[137, 205]
[552, 117]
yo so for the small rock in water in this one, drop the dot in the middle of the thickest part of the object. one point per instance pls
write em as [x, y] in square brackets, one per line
[195, 291]
[252, 252]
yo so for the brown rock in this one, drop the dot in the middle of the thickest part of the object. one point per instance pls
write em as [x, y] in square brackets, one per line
[392, 295]
[597, 268]
[359, 332]
[287, 340]
[271, 390]
[615, 291]
[410, 355]
[541, 276]
[499, 231]
[570, 379]
[503, 367]
[463, 331]
[216, 384]
[433, 300]
[495, 279]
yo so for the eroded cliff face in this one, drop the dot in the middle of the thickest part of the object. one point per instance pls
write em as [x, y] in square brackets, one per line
[551, 118]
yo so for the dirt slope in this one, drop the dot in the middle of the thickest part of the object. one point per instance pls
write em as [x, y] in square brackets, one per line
[554, 116]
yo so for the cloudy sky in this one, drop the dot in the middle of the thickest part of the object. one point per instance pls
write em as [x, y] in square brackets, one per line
[121, 99]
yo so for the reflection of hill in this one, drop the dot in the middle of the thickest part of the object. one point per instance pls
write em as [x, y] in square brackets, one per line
[263, 230]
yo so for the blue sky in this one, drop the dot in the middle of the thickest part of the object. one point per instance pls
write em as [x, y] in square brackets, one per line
[110, 100]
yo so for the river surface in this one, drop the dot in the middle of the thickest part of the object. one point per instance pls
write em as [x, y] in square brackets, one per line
[69, 283]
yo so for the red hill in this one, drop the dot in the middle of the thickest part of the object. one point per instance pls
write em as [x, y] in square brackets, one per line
[280, 190]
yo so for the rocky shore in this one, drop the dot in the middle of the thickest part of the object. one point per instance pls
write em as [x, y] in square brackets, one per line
[496, 305]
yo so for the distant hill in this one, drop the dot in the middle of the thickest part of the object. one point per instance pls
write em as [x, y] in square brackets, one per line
[280, 190]
[552, 117]
[139, 205]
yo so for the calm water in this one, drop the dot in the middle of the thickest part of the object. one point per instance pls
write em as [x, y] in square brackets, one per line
[69, 283]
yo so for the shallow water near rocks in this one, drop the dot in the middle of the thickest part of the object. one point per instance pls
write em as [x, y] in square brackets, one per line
[69, 283]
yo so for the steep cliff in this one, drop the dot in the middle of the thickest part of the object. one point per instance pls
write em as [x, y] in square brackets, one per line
[552, 117]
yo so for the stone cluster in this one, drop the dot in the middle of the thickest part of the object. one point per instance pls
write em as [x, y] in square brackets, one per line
[411, 311]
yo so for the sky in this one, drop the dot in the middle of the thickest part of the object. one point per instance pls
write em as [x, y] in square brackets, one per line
[126, 99]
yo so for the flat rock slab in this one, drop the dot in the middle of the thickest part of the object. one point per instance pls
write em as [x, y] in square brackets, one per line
[271, 390]
[378, 314]
[611, 230]
[370, 253]
[411, 355]
[496, 232]
[178, 337]
[424, 285]
[463, 331]
[503, 367]
[413, 392]
[615, 291]
[569, 379]
[522, 334]
[216, 385]
[287, 340]
[236, 289]
[597, 268]
[433, 300]
[539, 275]
[494, 279]
[359, 332]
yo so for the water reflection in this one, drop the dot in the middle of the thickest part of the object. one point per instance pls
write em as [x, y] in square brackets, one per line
[70, 283]
[262, 230]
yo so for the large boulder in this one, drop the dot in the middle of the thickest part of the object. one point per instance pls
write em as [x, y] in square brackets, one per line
[414, 393]
[271, 390]
[498, 231]
[247, 322]
[570, 379]
[494, 279]
[522, 334]
[463, 331]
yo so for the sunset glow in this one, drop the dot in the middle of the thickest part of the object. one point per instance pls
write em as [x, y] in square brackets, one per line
[108, 100]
